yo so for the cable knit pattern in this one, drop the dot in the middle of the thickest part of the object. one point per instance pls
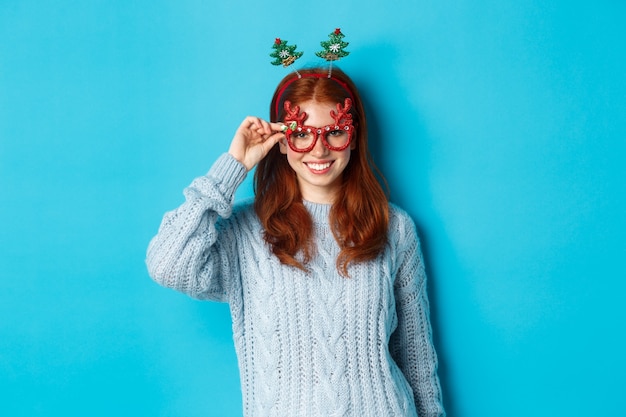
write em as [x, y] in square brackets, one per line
[313, 343]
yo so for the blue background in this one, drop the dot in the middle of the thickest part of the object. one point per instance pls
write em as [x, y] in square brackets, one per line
[499, 125]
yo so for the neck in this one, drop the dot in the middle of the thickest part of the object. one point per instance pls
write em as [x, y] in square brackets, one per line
[321, 195]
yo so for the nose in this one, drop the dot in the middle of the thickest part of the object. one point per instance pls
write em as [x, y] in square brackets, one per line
[319, 149]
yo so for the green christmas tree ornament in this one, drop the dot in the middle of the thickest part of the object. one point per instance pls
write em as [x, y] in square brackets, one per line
[284, 54]
[333, 47]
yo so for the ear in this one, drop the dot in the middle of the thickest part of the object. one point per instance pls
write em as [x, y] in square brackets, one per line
[282, 145]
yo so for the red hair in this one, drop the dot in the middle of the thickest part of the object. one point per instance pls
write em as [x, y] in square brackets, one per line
[360, 213]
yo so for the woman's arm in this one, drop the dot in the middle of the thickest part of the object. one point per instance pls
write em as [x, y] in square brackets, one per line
[411, 344]
[185, 254]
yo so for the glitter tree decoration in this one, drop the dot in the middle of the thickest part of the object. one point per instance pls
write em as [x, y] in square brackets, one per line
[284, 54]
[333, 47]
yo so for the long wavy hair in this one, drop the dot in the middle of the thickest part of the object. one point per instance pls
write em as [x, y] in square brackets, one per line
[359, 214]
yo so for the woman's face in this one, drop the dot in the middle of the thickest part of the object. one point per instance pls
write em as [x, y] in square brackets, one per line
[320, 170]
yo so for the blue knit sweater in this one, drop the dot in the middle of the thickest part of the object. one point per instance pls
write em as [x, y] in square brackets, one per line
[308, 344]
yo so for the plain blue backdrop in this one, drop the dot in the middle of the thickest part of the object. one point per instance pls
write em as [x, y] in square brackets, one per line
[499, 125]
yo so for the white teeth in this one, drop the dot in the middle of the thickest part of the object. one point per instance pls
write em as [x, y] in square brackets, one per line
[318, 167]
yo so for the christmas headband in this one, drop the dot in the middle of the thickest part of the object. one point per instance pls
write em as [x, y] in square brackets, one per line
[333, 50]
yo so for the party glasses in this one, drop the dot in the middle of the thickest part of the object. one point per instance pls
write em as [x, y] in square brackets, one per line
[334, 137]
[302, 138]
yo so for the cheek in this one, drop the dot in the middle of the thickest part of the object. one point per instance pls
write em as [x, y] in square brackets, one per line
[293, 157]
[342, 158]
[286, 150]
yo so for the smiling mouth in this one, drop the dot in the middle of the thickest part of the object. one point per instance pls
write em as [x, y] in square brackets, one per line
[318, 167]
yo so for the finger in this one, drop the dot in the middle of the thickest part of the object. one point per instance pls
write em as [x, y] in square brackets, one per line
[277, 127]
[258, 124]
[266, 127]
[252, 122]
[274, 139]
[249, 121]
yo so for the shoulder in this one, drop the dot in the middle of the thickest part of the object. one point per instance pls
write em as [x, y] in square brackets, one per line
[400, 221]
[243, 215]
[406, 251]
[402, 231]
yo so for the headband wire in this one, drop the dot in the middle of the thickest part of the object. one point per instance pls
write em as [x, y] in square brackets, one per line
[309, 75]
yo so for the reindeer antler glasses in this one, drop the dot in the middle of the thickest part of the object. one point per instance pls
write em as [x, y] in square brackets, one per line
[302, 138]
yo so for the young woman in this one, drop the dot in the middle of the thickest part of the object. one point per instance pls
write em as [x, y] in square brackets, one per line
[324, 277]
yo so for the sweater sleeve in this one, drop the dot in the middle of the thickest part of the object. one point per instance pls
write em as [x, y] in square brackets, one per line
[411, 344]
[186, 254]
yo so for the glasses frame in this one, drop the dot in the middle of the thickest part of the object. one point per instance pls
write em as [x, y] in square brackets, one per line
[295, 119]
[323, 132]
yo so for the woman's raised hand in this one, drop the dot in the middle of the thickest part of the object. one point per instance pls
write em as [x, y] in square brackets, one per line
[253, 140]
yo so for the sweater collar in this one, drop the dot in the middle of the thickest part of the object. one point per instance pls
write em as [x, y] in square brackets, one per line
[319, 212]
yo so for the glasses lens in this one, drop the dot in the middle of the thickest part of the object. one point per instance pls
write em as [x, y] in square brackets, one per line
[302, 138]
[337, 137]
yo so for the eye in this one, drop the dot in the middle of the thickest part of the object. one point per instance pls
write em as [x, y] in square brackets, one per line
[336, 132]
[300, 135]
